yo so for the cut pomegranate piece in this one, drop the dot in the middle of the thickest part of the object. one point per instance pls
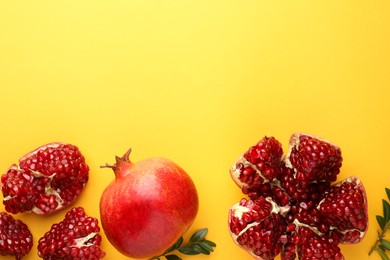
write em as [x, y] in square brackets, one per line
[257, 226]
[344, 209]
[262, 163]
[15, 237]
[307, 243]
[313, 159]
[46, 179]
[294, 209]
[76, 237]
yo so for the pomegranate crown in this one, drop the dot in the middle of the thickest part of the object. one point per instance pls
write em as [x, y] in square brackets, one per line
[120, 162]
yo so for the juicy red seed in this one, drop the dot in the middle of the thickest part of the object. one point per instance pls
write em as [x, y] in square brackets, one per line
[15, 237]
[60, 241]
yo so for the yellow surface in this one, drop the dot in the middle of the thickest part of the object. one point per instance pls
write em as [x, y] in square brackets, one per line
[197, 82]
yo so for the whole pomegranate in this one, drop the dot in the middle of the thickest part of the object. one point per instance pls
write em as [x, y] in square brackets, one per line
[294, 208]
[148, 206]
[46, 179]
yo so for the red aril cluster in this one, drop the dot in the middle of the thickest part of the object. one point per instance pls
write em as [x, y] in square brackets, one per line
[15, 237]
[45, 180]
[294, 207]
[76, 237]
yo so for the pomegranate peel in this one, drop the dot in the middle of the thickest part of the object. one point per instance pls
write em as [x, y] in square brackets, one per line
[148, 206]
[310, 215]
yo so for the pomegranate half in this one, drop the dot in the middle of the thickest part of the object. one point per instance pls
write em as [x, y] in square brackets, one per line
[148, 206]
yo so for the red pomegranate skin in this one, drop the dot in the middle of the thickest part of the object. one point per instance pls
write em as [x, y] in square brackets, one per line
[148, 207]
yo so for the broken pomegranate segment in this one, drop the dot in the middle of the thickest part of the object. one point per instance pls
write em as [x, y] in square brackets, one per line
[15, 237]
[45, 180]
[76, 237]
[294, 208]
[313, 159]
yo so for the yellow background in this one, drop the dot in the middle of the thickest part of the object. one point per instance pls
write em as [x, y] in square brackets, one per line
[197, 82]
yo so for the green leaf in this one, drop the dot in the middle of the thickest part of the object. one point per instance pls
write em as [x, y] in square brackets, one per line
[388, 193]
[190, 250]
[386, 210]
[201, 249]
[381, 221]
[206, 246]
[210, 243]
[172, 257]
[175, 246]
[201, 234]
[382, 254]
[386, 244]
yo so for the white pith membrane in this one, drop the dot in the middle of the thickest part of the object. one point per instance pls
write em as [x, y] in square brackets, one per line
[83, 241]
[294, 142]
[235, 172]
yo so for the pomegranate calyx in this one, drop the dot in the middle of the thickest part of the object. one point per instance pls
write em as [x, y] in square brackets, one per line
[121, 163]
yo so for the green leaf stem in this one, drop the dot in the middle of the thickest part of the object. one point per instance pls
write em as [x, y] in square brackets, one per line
[197, 244]
[381, 244]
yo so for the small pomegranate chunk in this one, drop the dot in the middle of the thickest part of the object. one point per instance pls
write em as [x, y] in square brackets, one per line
[76, 237]
[15, 237]
[294, 208]
[313, 159]
[257, 227]
[345, 208]
[310, 244]
[262, 163]
[46, 179]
